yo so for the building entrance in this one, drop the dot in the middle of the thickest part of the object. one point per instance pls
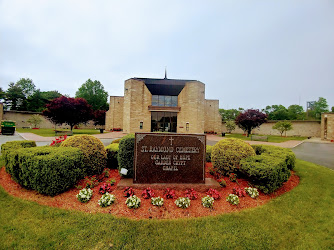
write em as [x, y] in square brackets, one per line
[163, 121]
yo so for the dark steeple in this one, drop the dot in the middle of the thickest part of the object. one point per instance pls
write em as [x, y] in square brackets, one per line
[165, 73]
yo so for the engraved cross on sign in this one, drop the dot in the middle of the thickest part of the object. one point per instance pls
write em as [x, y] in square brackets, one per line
[171, 141]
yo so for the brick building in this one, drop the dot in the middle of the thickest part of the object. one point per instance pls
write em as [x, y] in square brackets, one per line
[165, 105]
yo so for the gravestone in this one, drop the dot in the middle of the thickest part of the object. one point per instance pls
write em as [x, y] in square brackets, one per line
[169, 158]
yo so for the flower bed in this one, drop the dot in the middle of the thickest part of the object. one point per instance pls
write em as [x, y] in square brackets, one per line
[168, 210]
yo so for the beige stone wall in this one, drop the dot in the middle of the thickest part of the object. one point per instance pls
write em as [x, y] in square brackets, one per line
[21, 118]
[114, 116]
[302, 128]
[212, 117]
[327, 123]
[137, 98]
[192, 103]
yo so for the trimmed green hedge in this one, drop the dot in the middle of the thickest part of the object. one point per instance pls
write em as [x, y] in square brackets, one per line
[126, 153]
[208, 153]
[270, 168]
[112, 153]
[286, 153]
[14, 145]
[48, 170]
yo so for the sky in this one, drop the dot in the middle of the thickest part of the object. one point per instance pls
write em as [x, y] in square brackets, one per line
[249, 54]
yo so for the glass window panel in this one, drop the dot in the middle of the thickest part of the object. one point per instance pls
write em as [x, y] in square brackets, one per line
[161, 100]
[160, 116]
[167, 117]
[174, 117]
[174, 101]
[155, 100]
[168, 101]
[154, 116]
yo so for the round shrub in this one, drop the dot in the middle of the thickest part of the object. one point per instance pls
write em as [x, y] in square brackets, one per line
[227, 153]
[95, 156]
[126, 153]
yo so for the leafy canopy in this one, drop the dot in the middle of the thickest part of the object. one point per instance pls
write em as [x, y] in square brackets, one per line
[71, 111]
[250, 119]
[283, 126]
[94, 93]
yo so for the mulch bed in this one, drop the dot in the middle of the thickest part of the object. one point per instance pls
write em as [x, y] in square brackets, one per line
[169, 210]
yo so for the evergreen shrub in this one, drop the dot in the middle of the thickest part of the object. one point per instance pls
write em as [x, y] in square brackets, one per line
[95, 156]
[208, 153]
[126, 153]
[112, 153]
[13, 145]
[226, 155]
[270, 168]
[286, 153]
[47, 170]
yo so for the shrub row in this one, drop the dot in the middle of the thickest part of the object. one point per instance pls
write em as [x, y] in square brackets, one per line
[270, 168]
[208, 153]
[13, 145]
[126, 153]
[48, 170]
[112, 153]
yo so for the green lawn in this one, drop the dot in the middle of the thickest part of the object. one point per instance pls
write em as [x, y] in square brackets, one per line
[48, 132]
[271, 138]
[301, 218]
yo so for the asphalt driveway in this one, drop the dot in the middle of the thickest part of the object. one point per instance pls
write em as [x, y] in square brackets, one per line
[319, 153]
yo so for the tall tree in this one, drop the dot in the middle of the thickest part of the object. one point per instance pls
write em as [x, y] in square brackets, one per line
[94, 93]
[319, 107]
[71, 111]
[250, 119]
[276, 112]
[229, 114]
[37, 102]
[18, 93]
[296, 112]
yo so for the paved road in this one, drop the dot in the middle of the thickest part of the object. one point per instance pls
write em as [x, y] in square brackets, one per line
[319, 153]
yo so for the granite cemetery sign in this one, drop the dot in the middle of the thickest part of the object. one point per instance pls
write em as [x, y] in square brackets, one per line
[169, 158]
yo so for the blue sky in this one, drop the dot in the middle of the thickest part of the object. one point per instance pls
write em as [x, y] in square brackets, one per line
[248, 53]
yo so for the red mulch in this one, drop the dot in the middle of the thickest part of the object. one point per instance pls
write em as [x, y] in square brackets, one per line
[169, 210]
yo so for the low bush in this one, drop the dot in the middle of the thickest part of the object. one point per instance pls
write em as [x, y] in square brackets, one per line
[84, 195]
[116, 141]
[106, 200]
[157, 201]
[13, 145]
[233, 199]
[226, 155]
[133, 202]
[266, 172]
[126, 153]
[148, 193]
[47, 170]
[95, 156]
[208, 153]
[207, 201]
[182, 202]
[286, 153]
[112, 153]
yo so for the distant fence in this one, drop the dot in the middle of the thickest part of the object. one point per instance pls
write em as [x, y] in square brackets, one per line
[300, 128]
